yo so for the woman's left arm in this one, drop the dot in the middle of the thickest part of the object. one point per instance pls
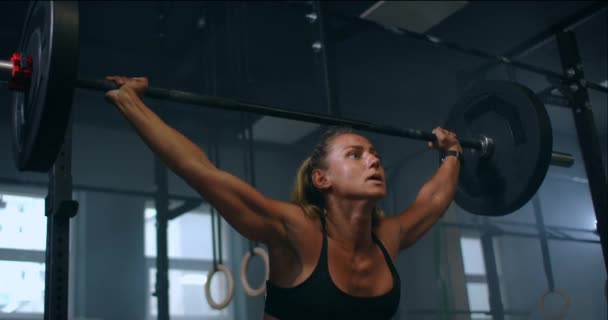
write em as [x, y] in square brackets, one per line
[435, 196]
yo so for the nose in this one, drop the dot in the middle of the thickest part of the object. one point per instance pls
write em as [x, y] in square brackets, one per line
[373, 161]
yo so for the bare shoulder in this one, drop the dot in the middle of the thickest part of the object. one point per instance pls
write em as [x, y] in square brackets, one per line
[297, 246]
[296, 224]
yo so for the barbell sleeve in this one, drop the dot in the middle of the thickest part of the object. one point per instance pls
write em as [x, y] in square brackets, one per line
[6, 66]
[562, 159]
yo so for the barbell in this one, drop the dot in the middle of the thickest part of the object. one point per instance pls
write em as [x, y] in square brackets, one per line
[503, 126]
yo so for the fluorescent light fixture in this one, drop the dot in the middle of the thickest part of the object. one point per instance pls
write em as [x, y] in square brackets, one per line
[417, 16]
[371, 9]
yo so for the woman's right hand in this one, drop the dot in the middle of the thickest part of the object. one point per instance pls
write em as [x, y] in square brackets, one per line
[138, 85]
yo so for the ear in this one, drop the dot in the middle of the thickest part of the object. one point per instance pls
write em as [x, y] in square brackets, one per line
[320, 180]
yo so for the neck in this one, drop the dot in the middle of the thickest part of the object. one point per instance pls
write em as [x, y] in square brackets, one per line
[349, 223]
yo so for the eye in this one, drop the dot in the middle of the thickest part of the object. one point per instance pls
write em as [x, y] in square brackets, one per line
[354, 155]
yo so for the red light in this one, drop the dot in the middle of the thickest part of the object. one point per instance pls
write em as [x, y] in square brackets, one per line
[21, 74]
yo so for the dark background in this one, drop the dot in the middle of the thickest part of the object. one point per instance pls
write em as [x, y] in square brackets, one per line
[261, 52]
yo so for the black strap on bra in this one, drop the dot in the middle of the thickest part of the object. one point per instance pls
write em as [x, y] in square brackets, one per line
[387, 256]
[379, 243]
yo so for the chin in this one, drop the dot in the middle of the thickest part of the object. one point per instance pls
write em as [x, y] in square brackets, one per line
[378, 195]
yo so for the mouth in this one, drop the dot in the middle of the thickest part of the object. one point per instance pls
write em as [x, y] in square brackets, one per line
[376, 177]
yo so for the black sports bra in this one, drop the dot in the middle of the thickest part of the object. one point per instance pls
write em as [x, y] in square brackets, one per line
[319, 298]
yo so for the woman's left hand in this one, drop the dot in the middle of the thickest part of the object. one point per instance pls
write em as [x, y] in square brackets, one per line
[446, 140]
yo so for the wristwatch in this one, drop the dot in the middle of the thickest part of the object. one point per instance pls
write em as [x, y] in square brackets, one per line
[454, 153]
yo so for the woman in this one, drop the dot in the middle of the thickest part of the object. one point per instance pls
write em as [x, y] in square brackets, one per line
[331, 251]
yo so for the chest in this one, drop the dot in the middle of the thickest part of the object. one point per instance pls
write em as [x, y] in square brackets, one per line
[359, 274]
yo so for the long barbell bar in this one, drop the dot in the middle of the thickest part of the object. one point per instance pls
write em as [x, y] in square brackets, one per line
[484, 145]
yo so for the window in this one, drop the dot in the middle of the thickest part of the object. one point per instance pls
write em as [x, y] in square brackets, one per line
[187, 293]
[475, 277]
[22, 223]
[22, 289]
[190, 258]
[22, 248]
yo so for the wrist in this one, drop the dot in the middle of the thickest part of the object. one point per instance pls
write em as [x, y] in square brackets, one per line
[456, 153]
[457, 148]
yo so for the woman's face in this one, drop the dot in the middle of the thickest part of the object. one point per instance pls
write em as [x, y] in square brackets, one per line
[354, 169]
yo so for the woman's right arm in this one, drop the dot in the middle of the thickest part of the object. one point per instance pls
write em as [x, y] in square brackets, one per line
[252, 214]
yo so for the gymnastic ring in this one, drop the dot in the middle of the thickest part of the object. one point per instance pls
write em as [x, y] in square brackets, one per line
[562, 313]
[245, 263]
[229, 279]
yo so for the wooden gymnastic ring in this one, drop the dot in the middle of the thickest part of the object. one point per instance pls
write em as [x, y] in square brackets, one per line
[245, 263]
[229, 279]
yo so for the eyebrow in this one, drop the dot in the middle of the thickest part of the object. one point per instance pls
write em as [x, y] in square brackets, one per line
[360, 147]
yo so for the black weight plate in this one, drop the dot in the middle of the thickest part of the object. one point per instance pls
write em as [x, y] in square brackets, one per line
[40, 115]
[515, 118]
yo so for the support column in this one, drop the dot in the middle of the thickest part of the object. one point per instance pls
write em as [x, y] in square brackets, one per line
[161, 290]
[59, 208]
[577, 93]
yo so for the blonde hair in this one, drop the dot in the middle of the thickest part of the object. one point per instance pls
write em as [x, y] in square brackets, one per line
[305, 194]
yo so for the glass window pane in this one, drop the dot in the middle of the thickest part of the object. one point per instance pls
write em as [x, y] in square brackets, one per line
[478, 297]
[187, 293]
[189, 236]
[472, 256]
[150, 232]
[481, 316]
[22, 223]
[21, 287]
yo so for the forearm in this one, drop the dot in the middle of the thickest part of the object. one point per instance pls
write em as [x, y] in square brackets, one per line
[174, 149]
[439, 191]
